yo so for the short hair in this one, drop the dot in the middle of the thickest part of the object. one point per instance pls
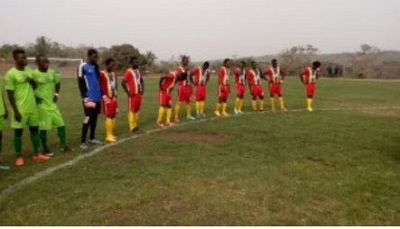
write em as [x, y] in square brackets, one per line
[185, 57]
[132, 58]
[18, 51]
[109, 61]
[227, 60]
[274, 60]
[243, 62]
[206, 63]
[92, 52]
[253, 62]
[317, 63]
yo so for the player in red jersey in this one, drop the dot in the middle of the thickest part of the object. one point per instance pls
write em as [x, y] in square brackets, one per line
[184, 89]
[240, 84]
[167, 83]
[308, 77]
[254, 77]
[276, 76]
[223, 88]
[134, 87]
[109, 104]
[201, 77]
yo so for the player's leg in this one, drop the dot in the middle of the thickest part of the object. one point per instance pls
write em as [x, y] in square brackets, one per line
[93, 125]
[254, 98]
[224, 105]
[33, 123]
[188, 102]
[18, 146]
[85, 127]
[45, 124]
[218, 105]
[310, 95]
[161, 109]
[2, 165]
[272, 92]
[260, 95]
[168, 107]
[136, 103]
[178, 103]
[281, 100]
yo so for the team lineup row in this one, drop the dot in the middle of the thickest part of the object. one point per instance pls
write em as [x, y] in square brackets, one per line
[33, 96]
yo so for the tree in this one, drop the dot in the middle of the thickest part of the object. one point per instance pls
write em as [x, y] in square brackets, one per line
[296, 57]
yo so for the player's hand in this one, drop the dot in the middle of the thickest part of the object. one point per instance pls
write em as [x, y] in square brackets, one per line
[117, 110]
[18, 116]
[55, 99]
[281, 81]
[106, 99]
[29, 79]
[38, 100]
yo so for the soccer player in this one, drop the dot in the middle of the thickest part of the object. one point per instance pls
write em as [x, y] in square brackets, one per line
[240, 83]
[89, 87]
[184, 89]
[255, 76]
[20, 89]
[201, 78]
[109, 102]
[47, 93]
[276, 76]
[309, 77]
[134, 87]
[3, 117]
[223, 88]
[166, 85]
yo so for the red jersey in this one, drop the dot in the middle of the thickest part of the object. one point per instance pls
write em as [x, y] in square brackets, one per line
[134, 81]
[183, 82]
[274, 74]
[200, 76]
[168, 81]
[310, 75]
[240, 76]
[223, 76]
[254, 77]
[108, 84]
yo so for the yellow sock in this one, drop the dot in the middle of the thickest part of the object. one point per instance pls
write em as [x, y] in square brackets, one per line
[272, 100]
[237, 103]
[161, 112]
[177, 109]
[188, 109]
[281, 102]
[309, 102]
[224, 105]
[240, 104]
[217, 107]
[137, 119]
[261, 104]
[169, 114]
[254, 104]
[113, 127]
[202, 106]
[108, 125]
[132, 120]
[198, 107]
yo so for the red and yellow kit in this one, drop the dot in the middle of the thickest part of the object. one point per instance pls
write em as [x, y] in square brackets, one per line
[223, 83]
[184, 87]
[133, 80]
[240, 81]
[108, 86]
[310, 79]
[254, 77]
[164, 94]
[200, 81]
[274, 79]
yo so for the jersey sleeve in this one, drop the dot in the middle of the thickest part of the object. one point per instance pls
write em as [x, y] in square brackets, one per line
[126, 76]
[103, 84]
[179, 70]
[237, 71]
[9, 83]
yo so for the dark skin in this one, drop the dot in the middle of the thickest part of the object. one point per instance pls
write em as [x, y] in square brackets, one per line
[135, 66]
[242, 66]
[185, 64]
[275, 65]
[227, 65]
[43, 65]
[315, 67]
[20, 63]
[256, 68]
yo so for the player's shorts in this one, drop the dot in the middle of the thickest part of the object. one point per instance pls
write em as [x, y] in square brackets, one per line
[135, 103]
[184, 93]
[200, 92]
[2, 122]
[164, 98]
[89, 111]
[257, 91]
[240, 89]
[30, 119]
[50, 118]
[275, 89]
[110, 108]
[310, 89]
[223, 92]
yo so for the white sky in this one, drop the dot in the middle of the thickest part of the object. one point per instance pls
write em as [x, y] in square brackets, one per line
[205, 29]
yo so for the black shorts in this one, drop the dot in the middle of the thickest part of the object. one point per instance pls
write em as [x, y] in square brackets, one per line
[92, 111]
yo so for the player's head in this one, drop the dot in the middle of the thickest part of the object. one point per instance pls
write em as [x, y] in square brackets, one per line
[110, 64]
[42, 62]
[316, 64]
[242, 64]
[254, 64]
[92, 56]
[134, 62]
[274, 63]
[206, 65]
[185, 60]
[20, 57]
[227, 63]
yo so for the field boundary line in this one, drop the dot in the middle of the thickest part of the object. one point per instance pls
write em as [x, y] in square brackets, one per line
[38, 175]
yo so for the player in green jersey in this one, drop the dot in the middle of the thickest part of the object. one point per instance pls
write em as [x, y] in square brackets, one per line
[20, 85]
[47, 93]
[3, 117]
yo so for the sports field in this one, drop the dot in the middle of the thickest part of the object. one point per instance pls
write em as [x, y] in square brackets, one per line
[338, 165]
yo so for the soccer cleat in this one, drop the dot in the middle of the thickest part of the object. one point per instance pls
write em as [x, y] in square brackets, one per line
[309, 109]
[203, 115]
[95, 142]
[84, 146]
[41, 157]
[240, 112]
[225, 114]
[236, 111]
[261, 109]
[136, 129]
[284, 109]
[65, 149]
[49, 154]
[177, 120]
[169, 124]
[110, 139]
[159, 124]
[217, 113]
[4, 167]
[199, 116]
[190, 118]
[20, 161]
[273, 110]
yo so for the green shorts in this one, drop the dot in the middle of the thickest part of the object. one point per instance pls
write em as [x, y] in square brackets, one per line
[30, 119]
[2, 122]
[50, 118]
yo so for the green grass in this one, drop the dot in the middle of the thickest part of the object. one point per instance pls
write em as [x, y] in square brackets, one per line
[295, 168]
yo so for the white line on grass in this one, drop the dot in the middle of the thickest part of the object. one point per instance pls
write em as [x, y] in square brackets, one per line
[29, 180]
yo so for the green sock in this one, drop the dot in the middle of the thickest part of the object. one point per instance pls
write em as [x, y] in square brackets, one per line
[43, 139]
[61, 135]
[35, 138]
[18, 143]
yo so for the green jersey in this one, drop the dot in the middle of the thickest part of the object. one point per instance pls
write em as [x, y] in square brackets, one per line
[16, 81]
[2, 108]
[45, 89]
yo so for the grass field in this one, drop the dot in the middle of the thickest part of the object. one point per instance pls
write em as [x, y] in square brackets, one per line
[329, 167]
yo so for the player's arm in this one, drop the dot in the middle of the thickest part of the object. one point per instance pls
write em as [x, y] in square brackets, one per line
[82, 84]
[263, 75]
[302, 76]
[10, 87]
[124, 84]
[191, 75]
[38, 98]
[142, 83]
[160, 82]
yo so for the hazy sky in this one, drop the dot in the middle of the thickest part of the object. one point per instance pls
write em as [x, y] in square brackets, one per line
[205, 29]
